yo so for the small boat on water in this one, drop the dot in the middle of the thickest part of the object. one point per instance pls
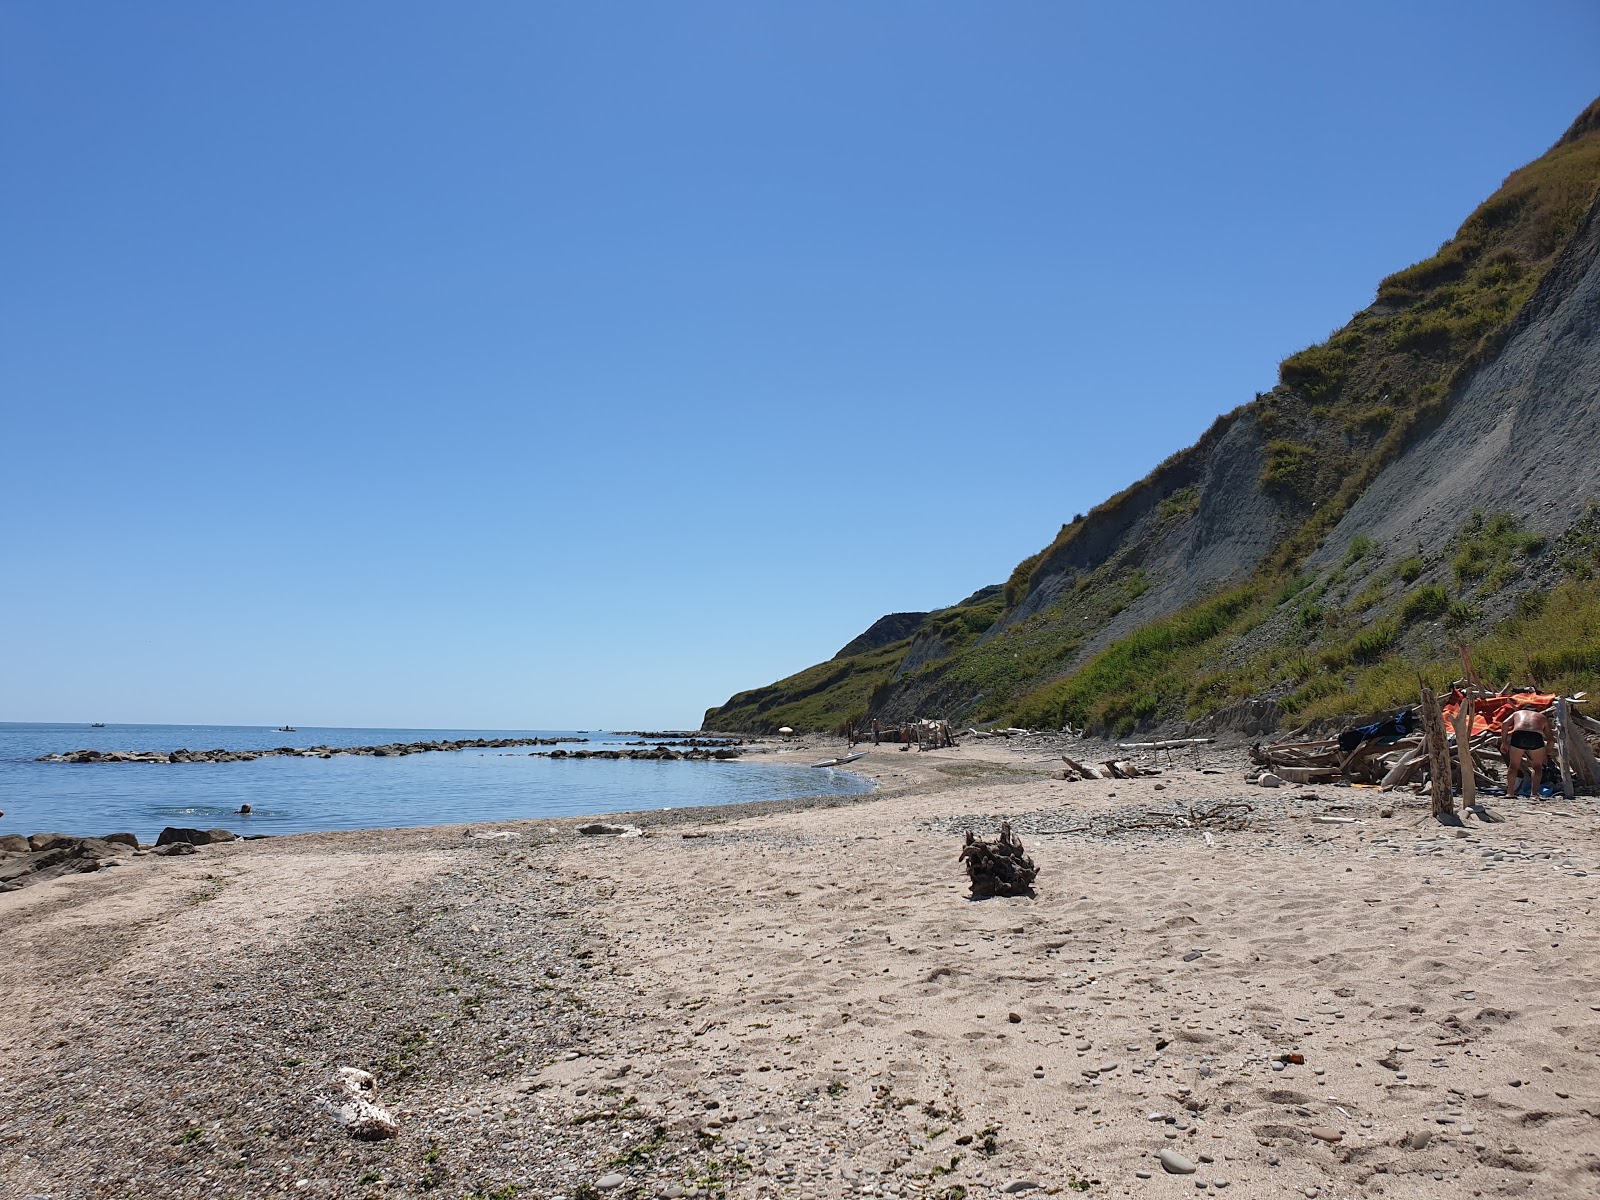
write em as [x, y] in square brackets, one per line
[97, 725]
[839, 762]
[287, 729]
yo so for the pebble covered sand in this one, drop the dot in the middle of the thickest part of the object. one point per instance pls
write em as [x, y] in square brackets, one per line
[801, 1000]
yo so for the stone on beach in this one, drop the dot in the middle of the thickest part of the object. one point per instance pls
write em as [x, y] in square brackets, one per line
[1174, 1163]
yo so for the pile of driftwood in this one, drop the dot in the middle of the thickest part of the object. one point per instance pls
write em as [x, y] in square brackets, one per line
[1119, 768]
[1322, 761]
[1454, 749]
[1000, 867]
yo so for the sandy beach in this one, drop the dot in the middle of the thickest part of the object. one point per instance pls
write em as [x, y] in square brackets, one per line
[801, 1000]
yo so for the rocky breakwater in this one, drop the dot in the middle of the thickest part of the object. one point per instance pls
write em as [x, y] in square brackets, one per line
[392, 750]
[42, 856]
[650, 753]
[693, 743]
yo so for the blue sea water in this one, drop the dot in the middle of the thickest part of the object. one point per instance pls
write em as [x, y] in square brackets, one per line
[299, 795]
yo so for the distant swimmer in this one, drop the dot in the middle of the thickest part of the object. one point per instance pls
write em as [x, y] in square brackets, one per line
[244, 810]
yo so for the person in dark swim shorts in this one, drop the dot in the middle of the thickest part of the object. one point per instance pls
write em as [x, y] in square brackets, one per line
[1525, 738]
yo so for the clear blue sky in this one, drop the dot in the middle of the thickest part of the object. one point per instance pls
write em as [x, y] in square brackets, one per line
[579, 364]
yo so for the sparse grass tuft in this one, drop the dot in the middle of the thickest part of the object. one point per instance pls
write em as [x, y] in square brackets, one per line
[1184, 502]
[1360, 546]
[1424, 604]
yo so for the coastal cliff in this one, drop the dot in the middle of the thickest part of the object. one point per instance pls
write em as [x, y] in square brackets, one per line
[1411, 484]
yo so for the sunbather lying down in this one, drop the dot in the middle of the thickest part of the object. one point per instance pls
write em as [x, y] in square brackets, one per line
[1525, 738]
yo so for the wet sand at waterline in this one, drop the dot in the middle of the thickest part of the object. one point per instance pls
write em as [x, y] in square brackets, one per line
[801, 999]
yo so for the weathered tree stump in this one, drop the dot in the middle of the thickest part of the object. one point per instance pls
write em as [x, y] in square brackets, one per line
[1000, 867]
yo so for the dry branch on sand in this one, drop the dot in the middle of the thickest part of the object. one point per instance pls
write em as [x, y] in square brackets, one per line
[1000, 867]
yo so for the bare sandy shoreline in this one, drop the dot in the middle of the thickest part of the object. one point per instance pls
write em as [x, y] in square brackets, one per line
[800, 999]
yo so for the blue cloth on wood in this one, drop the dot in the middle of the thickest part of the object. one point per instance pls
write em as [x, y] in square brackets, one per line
[1386, 730]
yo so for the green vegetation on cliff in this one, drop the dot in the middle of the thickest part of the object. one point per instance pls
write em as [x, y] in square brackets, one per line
[1054, 645]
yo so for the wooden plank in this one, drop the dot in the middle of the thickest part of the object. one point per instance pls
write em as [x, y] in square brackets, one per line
[1408, 761]
[1172, 745]
[1560, 707]
[1086, 772]
[1583, 721]
[1360, 754]
[1583, 759]
[1464, 716]
[1307, 774]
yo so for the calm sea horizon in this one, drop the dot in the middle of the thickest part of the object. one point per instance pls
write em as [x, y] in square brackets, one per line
[304, 795]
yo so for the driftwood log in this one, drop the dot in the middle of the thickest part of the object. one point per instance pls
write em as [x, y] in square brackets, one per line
[1438, 746]
[1000, 867]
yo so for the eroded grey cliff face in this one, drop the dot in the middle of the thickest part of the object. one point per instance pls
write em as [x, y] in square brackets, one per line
[1185, 557]
[1520, 437]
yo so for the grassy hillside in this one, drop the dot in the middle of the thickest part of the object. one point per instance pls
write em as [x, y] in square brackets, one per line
[1347, 638]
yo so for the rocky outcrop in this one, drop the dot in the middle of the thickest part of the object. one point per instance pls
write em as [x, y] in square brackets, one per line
[51, 855]
[42, 856]
[220, 756]
[195, 837]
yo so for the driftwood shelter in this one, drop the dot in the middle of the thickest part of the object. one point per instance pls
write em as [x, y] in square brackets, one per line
[1448, 744]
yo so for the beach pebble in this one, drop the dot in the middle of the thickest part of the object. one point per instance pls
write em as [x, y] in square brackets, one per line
[1271, 780]
[1020, 1185]
[609, 1183]
[1324, 1134]
[1174, 1163]
[1420, 1139]
[1466, 1129]
[1141, 1174]
[1016, 1018]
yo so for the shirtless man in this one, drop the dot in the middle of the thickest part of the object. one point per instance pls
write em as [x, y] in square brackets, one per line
[1525, 732]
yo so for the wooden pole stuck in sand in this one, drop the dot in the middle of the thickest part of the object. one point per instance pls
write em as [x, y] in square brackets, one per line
[1464, 716]
[1563, 759]
[1437, 742]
